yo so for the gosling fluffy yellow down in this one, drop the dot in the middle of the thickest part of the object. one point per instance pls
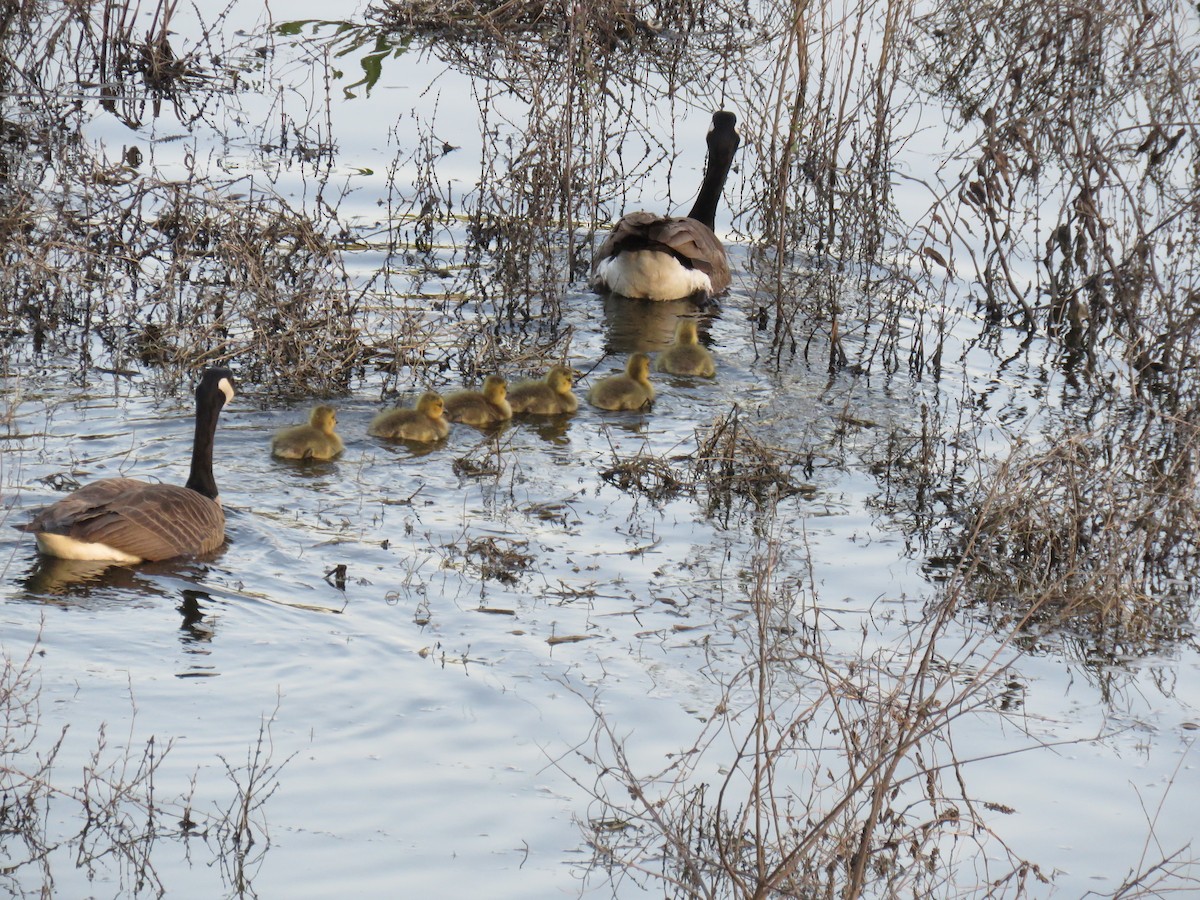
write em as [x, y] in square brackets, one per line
[631, 390]
[550, 396]
[686, 356]
[426, 423]
[316, 440]
[480, 408]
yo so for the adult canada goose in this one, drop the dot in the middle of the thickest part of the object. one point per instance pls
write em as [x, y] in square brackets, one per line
[550, 396]
[316, 440]
[480, 408]
[128, 521]
[631, 390]
[425, 423]
[652, 257]
[686, 356]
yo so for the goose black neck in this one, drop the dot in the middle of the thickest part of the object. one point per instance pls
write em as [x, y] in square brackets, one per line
[723, 142]
[209, 400]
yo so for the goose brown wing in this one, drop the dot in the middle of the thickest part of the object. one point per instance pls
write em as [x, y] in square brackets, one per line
[151, 521]
[686, 238]
[697, 243]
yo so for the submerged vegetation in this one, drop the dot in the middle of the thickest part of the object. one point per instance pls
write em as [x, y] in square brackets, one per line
[1052, 159]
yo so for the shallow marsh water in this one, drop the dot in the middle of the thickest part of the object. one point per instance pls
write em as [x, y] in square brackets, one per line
[432, 733]
[437, 742]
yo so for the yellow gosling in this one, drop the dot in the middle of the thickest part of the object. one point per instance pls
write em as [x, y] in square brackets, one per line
[551, 396]
[480, 408]
[316, 440]
[426, 423]
[631, 390]
[686, 356]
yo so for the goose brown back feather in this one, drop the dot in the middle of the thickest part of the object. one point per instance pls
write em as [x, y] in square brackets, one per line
[149, 521]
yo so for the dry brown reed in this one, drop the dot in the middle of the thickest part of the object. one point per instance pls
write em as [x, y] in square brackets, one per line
[839, 778]
[119, 261]
[1071, 208]
[836, 776]
[1079, 144]
[180, 275]
[647, 474]
[1095, 532]
[732, 463]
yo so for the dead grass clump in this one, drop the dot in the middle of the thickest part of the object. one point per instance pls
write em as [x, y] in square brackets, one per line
[251, 278]
[183, 274]
[731, 462]
[487, 459]
[493, 558]
[1101, 529]
[654, 477]
[63, 49]
[132, 66]
[499, 559]
[111, 263]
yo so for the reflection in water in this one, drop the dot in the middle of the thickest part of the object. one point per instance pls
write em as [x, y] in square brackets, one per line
[551, 429]
[632, 421]
[404, 449]
[642, 325]
[67, 581]
[194, 628]
[96, 583]
[196, 632]
[306, 468]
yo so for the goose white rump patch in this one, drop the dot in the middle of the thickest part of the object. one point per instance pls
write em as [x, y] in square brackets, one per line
[68, 548]
[649, 274]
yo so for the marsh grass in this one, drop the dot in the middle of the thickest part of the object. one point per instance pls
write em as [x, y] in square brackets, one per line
[656, 477]
[1061, 204]
[181, 275]
[586, 77]
[821, 775]
[1064, 232]
[733, 463]
[1096, 532]
[499, 558]
[730, 467]
[1080, 142]
[837, 777]
[116, 265]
